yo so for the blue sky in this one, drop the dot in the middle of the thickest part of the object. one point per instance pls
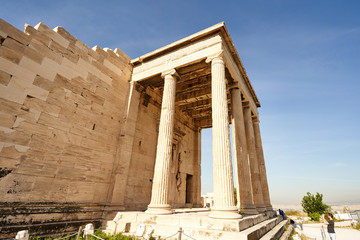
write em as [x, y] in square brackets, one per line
[302, 57]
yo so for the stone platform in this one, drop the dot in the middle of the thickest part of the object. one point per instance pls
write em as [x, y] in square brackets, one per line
[197, 224]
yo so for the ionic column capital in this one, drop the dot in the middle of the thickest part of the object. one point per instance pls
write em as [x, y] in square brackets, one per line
[171, 72]
[256, 119]
[234, 86]
[246, 105]
[216, 58]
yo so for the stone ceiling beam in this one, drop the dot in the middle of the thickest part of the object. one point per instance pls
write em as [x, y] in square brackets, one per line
[195, 105]
[195, 85]
[193, 96]
[184, 78]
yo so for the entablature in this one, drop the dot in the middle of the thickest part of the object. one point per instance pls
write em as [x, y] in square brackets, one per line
[190, 58]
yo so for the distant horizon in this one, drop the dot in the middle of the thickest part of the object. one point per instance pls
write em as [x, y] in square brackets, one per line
[338, 203]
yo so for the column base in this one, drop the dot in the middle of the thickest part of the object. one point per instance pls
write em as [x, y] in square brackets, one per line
[270, 213]
[261, 208]
[269, 207]
[161, 209]
[111, 209]
[249, 209]
[225, 213]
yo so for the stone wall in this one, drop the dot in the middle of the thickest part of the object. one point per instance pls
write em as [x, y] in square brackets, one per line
[61, 113]
[77, 138]
[141, 170]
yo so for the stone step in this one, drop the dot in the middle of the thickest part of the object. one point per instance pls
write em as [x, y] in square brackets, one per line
[276, 232]
[167, 230]
[259, 230]
[287, 233]
[198, 219]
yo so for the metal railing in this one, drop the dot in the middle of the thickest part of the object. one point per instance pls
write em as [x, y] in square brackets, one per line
[180, 233]
[89, 231]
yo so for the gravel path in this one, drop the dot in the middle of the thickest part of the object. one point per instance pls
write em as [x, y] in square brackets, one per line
[314, 231]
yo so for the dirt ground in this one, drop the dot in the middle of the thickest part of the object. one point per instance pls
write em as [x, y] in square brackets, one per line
[342, 233]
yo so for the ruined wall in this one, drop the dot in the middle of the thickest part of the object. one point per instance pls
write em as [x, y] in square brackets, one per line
[184, 157]
[141, 171]
[183, 167]
[61, 111]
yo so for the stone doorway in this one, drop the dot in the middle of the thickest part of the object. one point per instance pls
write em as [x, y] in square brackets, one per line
[189, 190]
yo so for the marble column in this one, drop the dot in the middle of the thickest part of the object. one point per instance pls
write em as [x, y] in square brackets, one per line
[161, 182]
[224, 205]
[254, 166]
[241, 156]
[261, 161]
[197, 168]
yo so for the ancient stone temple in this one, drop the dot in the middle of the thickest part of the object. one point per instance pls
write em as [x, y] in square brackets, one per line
[87, 132]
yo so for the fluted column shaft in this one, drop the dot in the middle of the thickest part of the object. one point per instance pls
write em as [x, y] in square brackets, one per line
[262, 168]
[160, 189]
[254, 166]
[241, 157]
[224, 206]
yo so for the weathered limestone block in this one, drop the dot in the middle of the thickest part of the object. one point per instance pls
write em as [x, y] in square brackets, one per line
[10, 54]
[28, 88]
[117, 58]
[35, 34]
[101, 53]
[14, 33]
[122, 56]
[42, 106]
[43, 83]
[16, 70]
[46, 69]
[12, 94]
[6, 120]
[4, 78]
[28, 127]
[64, 52]
[65, 34]
[45, 51]
[11, 136]
[23, 50]
[54, 122]
[41, 27]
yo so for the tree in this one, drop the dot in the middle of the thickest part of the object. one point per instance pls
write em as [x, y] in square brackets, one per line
[313, 205]
[346, 209]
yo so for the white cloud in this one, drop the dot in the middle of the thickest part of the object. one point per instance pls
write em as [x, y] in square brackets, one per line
[338, 164]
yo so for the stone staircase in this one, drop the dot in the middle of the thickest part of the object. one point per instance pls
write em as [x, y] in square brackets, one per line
[196, 224]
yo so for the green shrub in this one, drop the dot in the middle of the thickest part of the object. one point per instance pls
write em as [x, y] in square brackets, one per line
[314, 216]
[356, 226]
[295, 213]
[314, 204]
[99, 233]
